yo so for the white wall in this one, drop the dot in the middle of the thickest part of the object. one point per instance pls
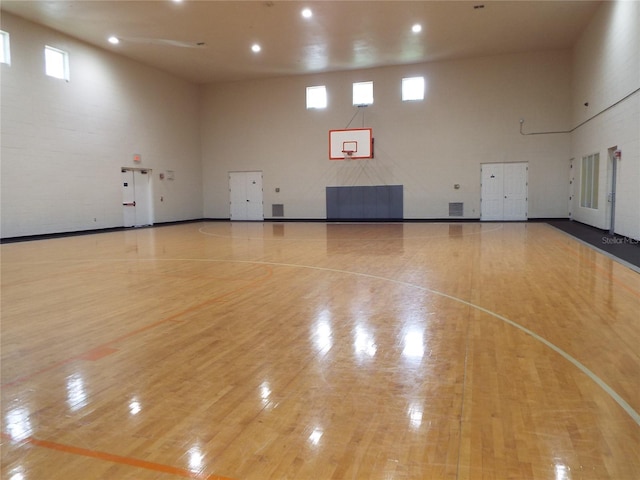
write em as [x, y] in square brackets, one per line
[63, 143]
[606, 64]
[470, 116]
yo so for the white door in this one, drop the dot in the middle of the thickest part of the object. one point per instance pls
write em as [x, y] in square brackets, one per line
[128, 198]
[491, 191]
[515, 191]
[503, 191]
[572, 183]
[245, 196]
[612, 172]
[136, 197]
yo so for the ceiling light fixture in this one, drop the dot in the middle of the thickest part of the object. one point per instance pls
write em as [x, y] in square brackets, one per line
[255, 48]
[114, 40]
[307, 13]
[417, 28]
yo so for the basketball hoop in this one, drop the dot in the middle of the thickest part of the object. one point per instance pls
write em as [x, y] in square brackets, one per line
[348, 154]
[350, 143]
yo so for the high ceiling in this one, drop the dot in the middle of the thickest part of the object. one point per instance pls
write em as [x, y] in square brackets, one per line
[210, 41]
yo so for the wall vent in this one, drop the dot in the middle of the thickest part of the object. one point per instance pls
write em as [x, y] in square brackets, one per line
[456, 209]
[277, 210]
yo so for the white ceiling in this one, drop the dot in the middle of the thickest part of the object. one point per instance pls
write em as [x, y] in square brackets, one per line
[341, 35]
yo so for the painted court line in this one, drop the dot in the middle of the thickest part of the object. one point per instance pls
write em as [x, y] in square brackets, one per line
[97, 353]
[597, 380]
[119, 459]
[106, 348]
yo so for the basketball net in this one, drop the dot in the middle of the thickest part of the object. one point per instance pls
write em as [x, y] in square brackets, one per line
[348, 154]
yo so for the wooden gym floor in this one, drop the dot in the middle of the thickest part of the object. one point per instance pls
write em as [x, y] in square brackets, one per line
[217, 350]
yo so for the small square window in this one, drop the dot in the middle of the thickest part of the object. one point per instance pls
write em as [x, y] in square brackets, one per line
[5, 48]
[56, 63]
[317, 97]
[363, 93]
[412, 88]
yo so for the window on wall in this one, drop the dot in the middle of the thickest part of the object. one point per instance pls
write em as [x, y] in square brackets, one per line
[317, 97]
[5, 49]
[56, 63]
[412, 88]
[589, 186]
[363, 93]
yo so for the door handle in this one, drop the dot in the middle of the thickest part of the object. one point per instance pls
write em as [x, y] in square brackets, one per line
[129, 204]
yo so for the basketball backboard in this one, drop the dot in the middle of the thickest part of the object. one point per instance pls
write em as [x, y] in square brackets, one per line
[352, 143]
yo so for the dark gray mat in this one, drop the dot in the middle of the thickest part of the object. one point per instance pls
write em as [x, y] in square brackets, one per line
[624, 248]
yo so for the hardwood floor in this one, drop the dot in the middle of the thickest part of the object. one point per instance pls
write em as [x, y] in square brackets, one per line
[319, 351]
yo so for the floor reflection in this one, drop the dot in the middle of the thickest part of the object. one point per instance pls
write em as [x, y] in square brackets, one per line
[365, 239]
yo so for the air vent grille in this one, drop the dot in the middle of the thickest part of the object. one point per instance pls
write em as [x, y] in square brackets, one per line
[456, 209]
[277, 210]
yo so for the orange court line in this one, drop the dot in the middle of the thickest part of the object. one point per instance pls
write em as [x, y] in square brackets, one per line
[110, 457]
[87, 355]
[97, 353]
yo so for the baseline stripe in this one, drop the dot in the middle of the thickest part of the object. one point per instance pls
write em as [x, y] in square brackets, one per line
[110, 457]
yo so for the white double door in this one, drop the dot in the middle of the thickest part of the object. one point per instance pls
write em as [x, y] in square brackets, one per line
[245, 196]
[504, 191]
[136, 197]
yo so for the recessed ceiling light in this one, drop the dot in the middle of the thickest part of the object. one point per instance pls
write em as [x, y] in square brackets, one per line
[255, 48]
[307, 13]
[417, 28]
[114, 40]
